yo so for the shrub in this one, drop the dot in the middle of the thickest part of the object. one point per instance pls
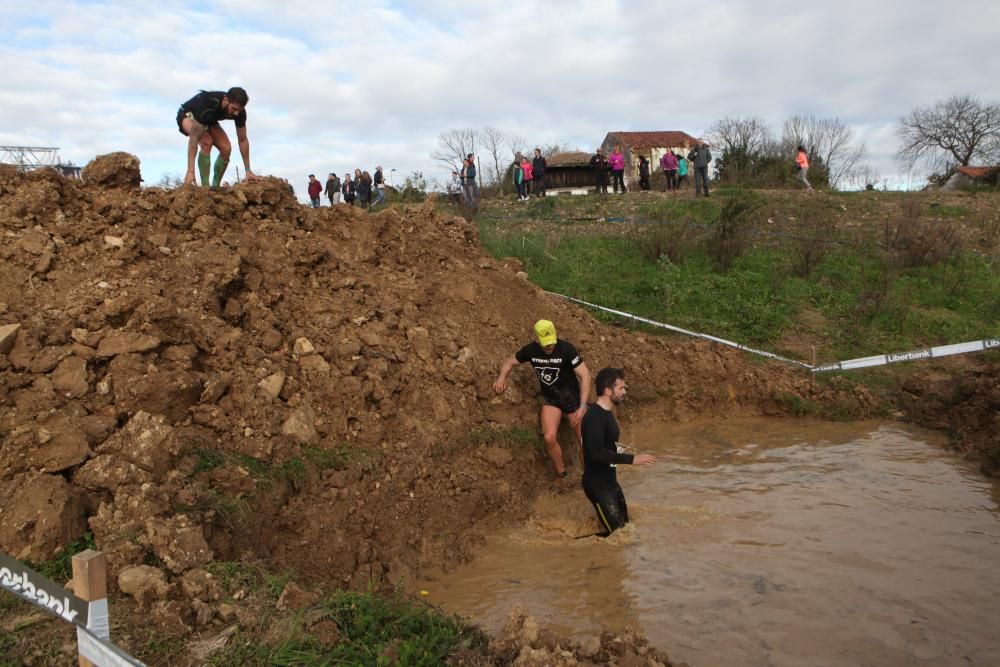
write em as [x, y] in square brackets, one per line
[665, 240]
[731, 235]
[912, 241]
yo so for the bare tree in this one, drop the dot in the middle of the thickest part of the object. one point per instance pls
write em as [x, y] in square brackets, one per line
[454, 145]
[961, 128]
[864, 176]
[830, 140]
[495, 142]
[741, 142]
[743, 135]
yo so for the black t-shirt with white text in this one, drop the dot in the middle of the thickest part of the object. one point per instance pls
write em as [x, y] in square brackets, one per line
[556, 371]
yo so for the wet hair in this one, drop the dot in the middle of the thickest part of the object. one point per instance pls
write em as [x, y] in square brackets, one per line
[606, 378]
[238, 95]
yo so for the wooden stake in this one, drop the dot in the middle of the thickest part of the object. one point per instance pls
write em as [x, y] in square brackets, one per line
[90, 581]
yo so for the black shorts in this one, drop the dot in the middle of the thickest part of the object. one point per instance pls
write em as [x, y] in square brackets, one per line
[568, 406]
[181, 115]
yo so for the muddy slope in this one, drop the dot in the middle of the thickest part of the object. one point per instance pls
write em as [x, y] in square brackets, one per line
[199, 376]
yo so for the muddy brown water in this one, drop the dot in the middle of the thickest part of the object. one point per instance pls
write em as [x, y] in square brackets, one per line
[765, 542]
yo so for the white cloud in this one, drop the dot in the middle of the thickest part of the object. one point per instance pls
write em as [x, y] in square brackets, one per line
[339, 85]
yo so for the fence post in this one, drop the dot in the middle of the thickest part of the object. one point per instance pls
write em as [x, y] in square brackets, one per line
[89, 581]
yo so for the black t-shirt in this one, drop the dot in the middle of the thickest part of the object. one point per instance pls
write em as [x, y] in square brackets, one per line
[207, 110]
[556, 373]
[600, 446]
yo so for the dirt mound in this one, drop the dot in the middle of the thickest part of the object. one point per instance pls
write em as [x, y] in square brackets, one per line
[225, 375]
[114, 170]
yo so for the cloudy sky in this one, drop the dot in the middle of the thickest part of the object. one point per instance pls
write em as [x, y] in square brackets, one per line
[337, 85]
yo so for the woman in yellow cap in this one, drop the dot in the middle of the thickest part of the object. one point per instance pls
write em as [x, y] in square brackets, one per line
[564, 381]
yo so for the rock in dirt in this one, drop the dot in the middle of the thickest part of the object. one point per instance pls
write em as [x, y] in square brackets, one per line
[177, 542]
[70, 377]
[273, 384]
[145, 441]
[114, 170]
[144, 583]
[8, 334]
[301, 426]
[126, 342]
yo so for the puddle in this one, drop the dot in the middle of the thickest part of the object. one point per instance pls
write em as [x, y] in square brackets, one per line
[765, 542]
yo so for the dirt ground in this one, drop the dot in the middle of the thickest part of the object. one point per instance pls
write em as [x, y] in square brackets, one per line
[200, 376]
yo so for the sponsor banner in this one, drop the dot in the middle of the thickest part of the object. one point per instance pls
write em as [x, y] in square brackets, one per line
[850, 364]
[27, 584]
[912, 355]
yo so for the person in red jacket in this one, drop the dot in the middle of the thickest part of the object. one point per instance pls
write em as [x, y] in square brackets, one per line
[315, 189]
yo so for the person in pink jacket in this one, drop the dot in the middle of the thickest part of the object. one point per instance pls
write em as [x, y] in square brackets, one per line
[617, 163]
[669, 165]
[529, 175]
[802, 165]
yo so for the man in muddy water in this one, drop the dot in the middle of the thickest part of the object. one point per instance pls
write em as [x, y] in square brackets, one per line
[198, 119]
[601, 455]
[564, 381]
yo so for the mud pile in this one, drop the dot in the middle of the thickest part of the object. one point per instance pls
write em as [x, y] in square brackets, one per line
[198, 376]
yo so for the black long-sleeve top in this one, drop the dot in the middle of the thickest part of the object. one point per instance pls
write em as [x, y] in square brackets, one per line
[600, 446]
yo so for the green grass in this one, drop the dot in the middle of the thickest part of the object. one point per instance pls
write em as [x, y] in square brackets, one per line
[868, 304]
[371, 630]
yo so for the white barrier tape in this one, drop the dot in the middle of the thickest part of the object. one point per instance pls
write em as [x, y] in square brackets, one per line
[715, 339]
[913, 355]
[94, 641]
[850, 364]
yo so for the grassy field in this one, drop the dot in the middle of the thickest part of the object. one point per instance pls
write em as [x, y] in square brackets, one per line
[844, 274]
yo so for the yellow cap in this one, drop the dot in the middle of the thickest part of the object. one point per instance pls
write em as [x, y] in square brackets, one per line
[546, 332]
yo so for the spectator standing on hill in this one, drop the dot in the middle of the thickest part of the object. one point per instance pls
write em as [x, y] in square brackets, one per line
[682, 170]
[363, 188]
[601, 454]
[529, 175]
[617, 163]
[378, 182]
[802, 165]
[471, 185]
[564, 381]
[539, 165]
[198, 119]
[315, 188]
[332, 190]
[517, 177]
[348, 189]
[455, 188]
[599, 164]
[669, 165]
[700, 157]
[643, 173]
[462, 177]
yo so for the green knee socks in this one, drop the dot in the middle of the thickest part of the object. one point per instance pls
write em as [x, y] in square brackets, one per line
[220, 169]
[204, 165]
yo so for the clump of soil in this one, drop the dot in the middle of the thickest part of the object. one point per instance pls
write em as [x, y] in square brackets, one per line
[200, 376]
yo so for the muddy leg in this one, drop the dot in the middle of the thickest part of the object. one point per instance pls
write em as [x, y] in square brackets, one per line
[550, 418]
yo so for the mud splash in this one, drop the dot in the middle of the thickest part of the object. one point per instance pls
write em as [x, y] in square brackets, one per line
[760, 542]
